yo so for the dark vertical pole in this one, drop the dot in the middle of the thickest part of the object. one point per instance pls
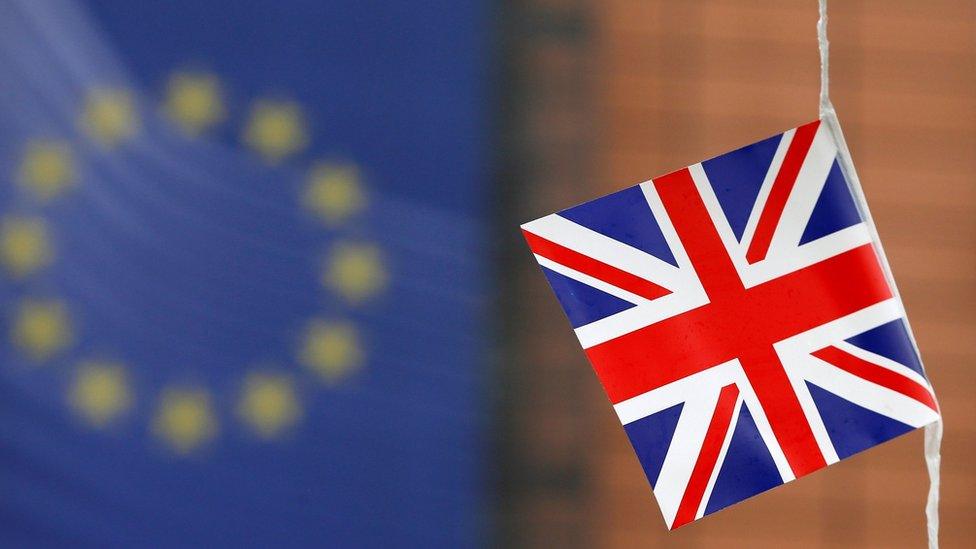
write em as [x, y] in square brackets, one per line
[545, 162]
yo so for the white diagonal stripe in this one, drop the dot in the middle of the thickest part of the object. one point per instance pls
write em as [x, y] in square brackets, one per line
[767, 184]
[591, 281]
[590, 243]
[734, 420]
[803, 197]
[635, 318]
[686, 444]
[662, 398]
[866, 394]
[883, 362]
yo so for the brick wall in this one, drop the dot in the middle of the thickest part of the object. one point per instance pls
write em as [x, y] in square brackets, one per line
[636, 88]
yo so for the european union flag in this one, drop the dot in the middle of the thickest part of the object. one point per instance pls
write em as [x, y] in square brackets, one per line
[241, 279]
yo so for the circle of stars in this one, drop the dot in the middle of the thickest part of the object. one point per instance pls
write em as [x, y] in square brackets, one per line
[101, 392]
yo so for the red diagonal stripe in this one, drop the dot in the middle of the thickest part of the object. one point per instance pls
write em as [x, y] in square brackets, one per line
[718, 428]
[878, 375]
[783, 410]
[593, 267]
[780, 192]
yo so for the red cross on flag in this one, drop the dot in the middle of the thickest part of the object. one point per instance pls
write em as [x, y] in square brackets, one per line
[741, 318]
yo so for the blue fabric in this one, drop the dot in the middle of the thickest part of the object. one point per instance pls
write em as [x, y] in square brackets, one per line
[193, 264]
[736, 178]
[853, 428]
[835, 208]
[651, 436]
[890, 340]
[583, 304]
[748, 468]
[624, 216]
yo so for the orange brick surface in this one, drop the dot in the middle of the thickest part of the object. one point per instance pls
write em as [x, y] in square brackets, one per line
[644, 87]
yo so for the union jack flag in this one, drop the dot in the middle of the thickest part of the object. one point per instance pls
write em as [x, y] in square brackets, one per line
[740, 316]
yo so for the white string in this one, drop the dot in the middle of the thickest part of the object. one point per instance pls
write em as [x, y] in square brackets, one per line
[825, 105]
[933, 431]
[933, 457]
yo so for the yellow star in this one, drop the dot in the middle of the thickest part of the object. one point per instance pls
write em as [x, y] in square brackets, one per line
[275, 129]
[24, 246]
[268, 404]
[355, 271]
[193, 101]
[42, 329]
[100, 392]
[46, 169]
[185, 419]
[331, 349]
[110, 116]
[334, 192]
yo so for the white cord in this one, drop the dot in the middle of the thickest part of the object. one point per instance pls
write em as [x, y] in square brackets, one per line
[933, 457]
[825, 105]
[933, 431]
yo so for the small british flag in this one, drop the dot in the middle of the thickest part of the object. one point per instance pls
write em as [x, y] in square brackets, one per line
[741, 318]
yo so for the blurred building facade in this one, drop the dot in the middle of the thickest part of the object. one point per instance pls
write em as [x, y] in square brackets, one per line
[602, 95]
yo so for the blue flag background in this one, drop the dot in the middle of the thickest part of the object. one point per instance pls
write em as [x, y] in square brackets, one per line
[243, 260]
